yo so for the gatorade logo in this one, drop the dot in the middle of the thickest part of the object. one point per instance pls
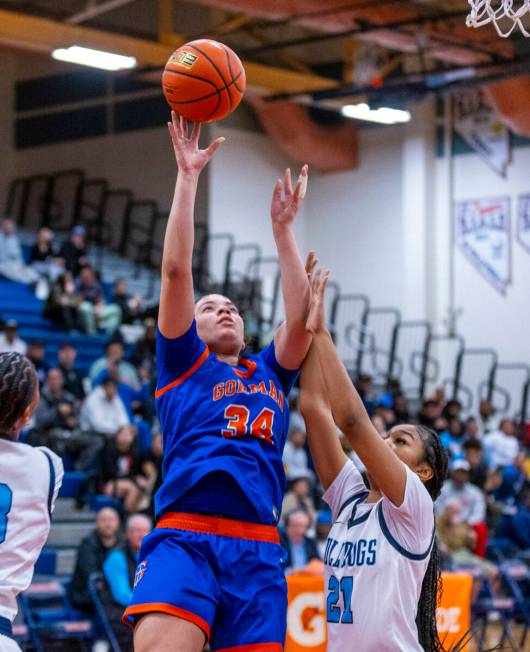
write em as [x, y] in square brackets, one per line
[306, 621]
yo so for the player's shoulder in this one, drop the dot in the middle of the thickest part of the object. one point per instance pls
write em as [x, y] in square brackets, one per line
[31, 459]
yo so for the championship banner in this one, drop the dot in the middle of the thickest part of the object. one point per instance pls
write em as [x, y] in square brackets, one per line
[476, 122]
[482, 233]
[523, 221]
[306, 615]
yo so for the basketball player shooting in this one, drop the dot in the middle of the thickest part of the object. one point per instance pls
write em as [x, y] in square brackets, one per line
[30, 479]
[212, 568]
[382, 572]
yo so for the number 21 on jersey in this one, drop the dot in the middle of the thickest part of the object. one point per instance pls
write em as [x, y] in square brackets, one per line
[334, 613]
[238, 417]
[6, 500]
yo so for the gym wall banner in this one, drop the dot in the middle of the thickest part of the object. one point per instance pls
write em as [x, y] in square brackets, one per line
[482, 232]
[306, 615]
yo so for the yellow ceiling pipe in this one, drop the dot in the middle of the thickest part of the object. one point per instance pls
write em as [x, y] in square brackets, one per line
[42, 35]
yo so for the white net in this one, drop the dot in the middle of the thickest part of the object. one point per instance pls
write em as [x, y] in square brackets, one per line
[506, 15]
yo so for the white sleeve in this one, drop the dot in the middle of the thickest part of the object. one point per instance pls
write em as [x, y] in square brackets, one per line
[349, 482]
[56, 476]
[412, 523]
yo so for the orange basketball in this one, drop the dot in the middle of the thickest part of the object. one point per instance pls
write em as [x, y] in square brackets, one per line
[204, 81]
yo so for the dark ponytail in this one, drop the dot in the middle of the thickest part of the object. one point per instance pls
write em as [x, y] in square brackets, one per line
[18, 381]
[431, 588]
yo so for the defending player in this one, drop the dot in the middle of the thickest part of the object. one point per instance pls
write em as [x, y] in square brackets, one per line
[29, 483]
[211, 570]
[381, 562]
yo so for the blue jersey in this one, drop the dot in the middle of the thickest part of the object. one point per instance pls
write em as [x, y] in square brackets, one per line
[224, 430]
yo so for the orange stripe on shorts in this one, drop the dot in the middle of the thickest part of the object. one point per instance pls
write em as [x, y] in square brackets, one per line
[223, 527]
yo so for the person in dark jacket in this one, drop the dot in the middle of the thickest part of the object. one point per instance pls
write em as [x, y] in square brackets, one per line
[300, 548]
[73, 378]
[90, 557]
[73, 251]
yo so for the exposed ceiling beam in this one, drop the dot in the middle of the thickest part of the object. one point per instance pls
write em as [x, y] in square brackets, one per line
[96, 10]
[41, 35]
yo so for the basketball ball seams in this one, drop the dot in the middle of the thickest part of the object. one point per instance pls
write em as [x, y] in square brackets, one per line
[206, 97]
[229, 62]
[215, 67]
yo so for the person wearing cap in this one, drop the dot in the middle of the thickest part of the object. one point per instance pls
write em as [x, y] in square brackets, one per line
[73, 251]
[10, 342]
[458, 486]
[12, 265]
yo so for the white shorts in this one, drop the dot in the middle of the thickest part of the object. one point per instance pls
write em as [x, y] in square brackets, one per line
[8, 644]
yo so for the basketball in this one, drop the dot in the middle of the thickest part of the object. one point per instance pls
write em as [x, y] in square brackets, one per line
[204, 81]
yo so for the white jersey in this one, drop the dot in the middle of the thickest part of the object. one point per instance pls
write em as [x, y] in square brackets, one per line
[375, 560]
[29, 483]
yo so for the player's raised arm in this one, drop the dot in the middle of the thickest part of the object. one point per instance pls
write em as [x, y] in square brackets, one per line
[347, 408]
[176, 293]
[292, 339]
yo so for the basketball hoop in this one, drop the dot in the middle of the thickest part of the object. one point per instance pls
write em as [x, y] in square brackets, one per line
[506, 15]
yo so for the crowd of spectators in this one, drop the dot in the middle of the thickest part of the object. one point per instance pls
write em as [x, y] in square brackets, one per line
[103, 423]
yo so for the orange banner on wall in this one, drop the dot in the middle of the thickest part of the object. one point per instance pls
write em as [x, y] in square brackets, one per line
[306, 614]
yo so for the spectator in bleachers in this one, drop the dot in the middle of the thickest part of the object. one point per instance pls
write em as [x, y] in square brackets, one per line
[145, 347]
[513, 480]
[453, 438]
[300, 548]
[91, 554]
[114, 357]
[458, 539]
[430, 411]
[95, 312]
[298, 498]
[103, 411]
[73, 251]
[131, 305]
[37, 354]
[10, 342]
[121, 473]
[479, 472]
[44, 256]
[401, 409]
[471, 499]
[502, 445]
[486, 420]
[52, 398]
[295, 418]
[515, 525]
[295, 459]
[73, 378]
[151, 465]
[324, 523]
[471, 429]
[120, 570]
[452, 410]
[365, 388]
[12, 265]
[62, 304]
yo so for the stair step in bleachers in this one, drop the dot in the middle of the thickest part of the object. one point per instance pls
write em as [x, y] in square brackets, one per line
[66, 510]
[65, 534]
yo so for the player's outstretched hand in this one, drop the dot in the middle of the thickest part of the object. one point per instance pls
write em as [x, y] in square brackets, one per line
[186, 146]
[316, 320]
[286, 202]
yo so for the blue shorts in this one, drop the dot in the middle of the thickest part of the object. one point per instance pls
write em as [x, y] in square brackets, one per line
[224, 576]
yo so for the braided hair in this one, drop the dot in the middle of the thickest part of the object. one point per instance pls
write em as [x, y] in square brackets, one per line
[431, 589]
[18, 382]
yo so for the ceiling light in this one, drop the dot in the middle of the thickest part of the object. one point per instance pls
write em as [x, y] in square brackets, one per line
[94, 58]
[384, 115]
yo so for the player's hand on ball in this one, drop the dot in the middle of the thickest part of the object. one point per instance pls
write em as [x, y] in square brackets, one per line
[316, 320]
[186, 146]
[286, 202]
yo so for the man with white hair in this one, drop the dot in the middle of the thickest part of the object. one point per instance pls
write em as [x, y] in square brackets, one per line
[120, 569]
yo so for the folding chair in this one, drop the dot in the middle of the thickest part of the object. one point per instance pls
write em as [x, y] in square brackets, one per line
[516, 577]
[50, 617]
[487, 604]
